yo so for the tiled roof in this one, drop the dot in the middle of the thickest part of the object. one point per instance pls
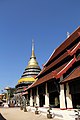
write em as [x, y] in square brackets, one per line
[57, 61]
[63, 46]
[46, 77]
[66, 43]
[73, 75]
[47, 68]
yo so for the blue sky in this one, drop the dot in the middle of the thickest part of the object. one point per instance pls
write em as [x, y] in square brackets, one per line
[45, 21]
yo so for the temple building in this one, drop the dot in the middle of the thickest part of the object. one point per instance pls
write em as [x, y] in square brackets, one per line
[58, 83]
[29, 74]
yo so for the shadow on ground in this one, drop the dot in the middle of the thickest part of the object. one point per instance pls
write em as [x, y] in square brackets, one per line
[1, 117]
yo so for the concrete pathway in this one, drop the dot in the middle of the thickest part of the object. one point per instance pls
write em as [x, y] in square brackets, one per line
[59, 114]
[17, 114]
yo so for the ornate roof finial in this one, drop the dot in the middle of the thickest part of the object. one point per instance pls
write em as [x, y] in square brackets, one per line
[68, 34]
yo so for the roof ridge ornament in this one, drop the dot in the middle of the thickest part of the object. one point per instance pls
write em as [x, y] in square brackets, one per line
[71, 62]
[73, 51]
[68, 34]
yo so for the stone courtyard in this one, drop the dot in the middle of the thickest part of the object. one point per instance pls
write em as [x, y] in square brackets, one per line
[17, 114]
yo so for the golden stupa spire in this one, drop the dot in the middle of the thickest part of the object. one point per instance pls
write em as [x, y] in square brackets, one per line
[31, 70]
[33, 55]
[32, 61]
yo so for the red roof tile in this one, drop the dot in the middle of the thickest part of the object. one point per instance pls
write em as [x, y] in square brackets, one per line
[49, 76]
[73, 75]
[63, 46]
[46, 77]
[66, 43]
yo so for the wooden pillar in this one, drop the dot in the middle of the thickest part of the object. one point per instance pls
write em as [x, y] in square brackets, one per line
[68, 98]
[46, 97]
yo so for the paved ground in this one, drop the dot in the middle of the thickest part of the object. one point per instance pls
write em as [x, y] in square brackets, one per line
[17, 114]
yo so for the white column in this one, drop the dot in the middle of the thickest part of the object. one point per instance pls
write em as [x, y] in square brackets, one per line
[31, 98]
[68, 98]
[37, 98]
[62, 95]
[46, 97]
[34, 100]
